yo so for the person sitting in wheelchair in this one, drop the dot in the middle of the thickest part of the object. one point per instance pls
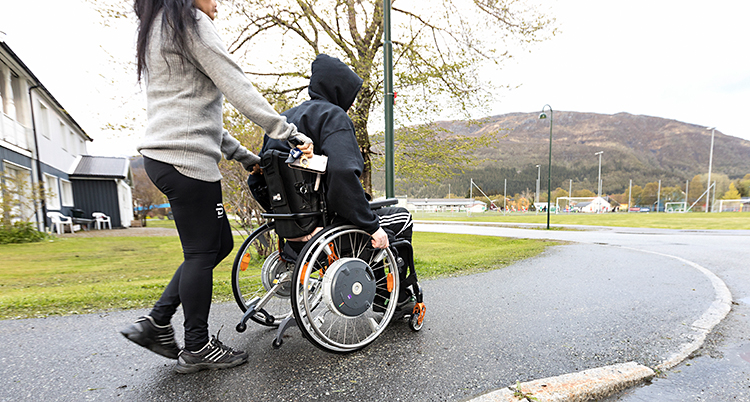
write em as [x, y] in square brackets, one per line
[333, 88]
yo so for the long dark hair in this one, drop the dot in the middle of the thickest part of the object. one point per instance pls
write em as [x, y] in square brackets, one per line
[179, 16]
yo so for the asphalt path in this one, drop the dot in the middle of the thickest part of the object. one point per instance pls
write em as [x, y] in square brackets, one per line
[603, 298]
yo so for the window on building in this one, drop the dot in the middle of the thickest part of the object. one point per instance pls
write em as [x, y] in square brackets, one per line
[66, 192]
[44, 120]
[73, 143]
[63, 136]
[51, 192]
[17, 180]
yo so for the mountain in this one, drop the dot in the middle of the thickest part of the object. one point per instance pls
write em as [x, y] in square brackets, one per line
[642, 148]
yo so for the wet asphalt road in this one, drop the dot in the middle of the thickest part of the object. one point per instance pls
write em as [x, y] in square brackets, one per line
[575, 307]
[720, 370]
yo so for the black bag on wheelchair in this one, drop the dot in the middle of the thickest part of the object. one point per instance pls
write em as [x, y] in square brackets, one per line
[291, 191]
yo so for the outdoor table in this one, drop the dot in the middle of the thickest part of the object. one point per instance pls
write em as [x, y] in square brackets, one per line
[84, 221]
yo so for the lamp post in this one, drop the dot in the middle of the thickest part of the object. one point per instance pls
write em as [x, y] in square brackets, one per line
[549, 171]
[710, 162]
[599, 193]
[538, 180]
[388, 89]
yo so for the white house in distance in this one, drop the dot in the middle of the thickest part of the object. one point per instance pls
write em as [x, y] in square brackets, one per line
[41, 143]
[598, 204]
[445, 205]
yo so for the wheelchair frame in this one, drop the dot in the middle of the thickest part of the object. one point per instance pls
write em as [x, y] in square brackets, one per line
[339, 291]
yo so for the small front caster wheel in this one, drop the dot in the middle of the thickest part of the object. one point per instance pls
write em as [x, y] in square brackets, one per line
[241, 327]
[414, 323]
[277, 343]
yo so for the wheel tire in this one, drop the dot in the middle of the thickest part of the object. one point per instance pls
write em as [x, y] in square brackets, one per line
[248, 281]
[414, 324]
[310, 304]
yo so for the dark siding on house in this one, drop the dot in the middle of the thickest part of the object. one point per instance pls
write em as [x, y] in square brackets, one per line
[18, 159]
[97, 196]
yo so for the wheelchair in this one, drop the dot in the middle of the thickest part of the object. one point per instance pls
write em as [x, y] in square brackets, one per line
[338, 290]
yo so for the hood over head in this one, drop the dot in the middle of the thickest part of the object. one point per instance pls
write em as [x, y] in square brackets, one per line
[333, 81]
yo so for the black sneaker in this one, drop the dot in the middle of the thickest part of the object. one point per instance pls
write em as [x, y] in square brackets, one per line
[214, 356]
[158, 339]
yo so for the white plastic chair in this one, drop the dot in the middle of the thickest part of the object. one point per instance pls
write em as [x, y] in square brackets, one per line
[60, 220]
[101, 220]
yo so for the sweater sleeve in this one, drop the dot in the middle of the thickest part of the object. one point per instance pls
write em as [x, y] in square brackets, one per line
[211, 57]
[232, 149]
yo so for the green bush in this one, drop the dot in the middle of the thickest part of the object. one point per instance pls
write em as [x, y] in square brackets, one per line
[21, 232]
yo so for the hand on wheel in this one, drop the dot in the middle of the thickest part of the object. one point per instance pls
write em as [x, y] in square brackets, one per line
[380, 239]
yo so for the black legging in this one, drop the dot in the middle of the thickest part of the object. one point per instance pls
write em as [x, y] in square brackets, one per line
[206, 240]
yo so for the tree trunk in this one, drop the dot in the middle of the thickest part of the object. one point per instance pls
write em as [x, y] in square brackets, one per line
[360, 115]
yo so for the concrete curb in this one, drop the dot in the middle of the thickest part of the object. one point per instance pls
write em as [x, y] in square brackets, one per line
[605, 381]
[719, 309]
[587, 385]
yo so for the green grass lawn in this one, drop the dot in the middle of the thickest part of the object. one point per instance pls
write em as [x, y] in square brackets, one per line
[160, 223]
[689, 221]
[82, 275]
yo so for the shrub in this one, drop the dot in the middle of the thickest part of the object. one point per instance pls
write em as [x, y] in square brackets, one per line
[21, 232]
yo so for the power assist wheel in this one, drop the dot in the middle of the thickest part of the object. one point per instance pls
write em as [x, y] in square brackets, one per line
[346, 291]
[261, 279]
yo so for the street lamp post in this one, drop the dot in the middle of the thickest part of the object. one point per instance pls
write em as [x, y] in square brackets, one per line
[710, 162]
[390, 175]
[538, 180]
[599, 193]
[549, 169]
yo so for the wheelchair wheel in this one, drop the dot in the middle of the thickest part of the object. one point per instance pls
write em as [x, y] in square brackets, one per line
[256, 271]
[346, 291]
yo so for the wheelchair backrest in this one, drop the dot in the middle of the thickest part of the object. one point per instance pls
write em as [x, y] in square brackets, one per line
[296, 206]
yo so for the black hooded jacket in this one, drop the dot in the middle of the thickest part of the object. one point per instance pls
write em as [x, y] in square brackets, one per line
[333, 89]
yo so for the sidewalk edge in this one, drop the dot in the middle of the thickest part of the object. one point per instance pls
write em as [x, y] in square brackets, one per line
[587, 385]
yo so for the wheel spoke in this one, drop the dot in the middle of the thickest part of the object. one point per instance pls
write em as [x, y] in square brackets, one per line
[335, 329]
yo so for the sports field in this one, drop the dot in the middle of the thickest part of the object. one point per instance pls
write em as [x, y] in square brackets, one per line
[686, 221]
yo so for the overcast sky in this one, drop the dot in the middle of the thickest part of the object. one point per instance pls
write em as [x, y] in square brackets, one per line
[684, 60]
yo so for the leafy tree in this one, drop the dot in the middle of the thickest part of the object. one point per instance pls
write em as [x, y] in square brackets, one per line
[557, 193]
[428, 153]
[145, 194]
[743, 185]
[732, 193]
[697, 188]
[438, 51]
[17, 208]
[583, 193]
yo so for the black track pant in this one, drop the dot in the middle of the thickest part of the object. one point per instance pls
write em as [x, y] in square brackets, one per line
[206, 240]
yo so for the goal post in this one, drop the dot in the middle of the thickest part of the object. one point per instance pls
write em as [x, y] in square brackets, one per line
[728, 206]
[675, 207]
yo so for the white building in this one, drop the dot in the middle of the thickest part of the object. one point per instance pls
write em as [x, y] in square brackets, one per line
[445, 205]
[39, 141]
[598, 204]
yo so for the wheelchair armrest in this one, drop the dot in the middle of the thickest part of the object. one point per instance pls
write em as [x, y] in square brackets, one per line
[300, 215]
[383, 203]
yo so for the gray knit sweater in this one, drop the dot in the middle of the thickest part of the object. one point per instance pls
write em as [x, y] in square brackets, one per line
[185, 104]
